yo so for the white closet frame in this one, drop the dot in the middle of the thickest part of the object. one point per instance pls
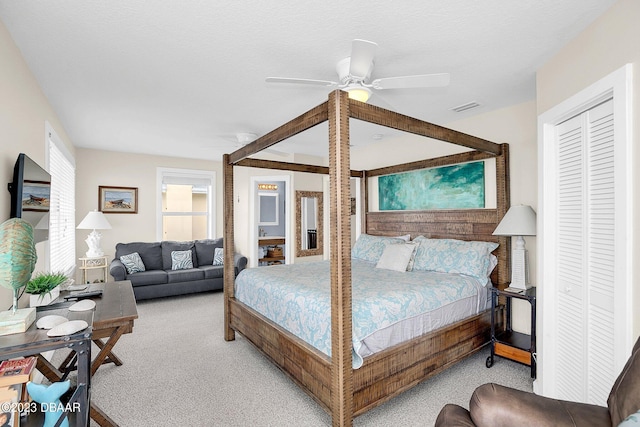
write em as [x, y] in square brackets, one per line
[617, 86]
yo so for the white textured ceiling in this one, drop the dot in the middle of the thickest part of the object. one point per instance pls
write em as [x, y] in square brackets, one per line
[181, 78]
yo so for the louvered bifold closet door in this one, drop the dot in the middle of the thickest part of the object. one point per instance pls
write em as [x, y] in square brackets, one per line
[601, 252]
[586, 255]
[570, 261]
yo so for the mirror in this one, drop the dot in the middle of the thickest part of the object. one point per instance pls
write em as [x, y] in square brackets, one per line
[268, 209]
[309, 223]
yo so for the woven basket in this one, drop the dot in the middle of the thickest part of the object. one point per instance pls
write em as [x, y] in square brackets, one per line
[274, 252]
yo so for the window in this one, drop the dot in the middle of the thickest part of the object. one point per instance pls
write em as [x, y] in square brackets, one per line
[187, 204]
[62, 237]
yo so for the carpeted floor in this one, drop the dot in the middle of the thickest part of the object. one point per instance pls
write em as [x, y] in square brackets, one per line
[179, 371]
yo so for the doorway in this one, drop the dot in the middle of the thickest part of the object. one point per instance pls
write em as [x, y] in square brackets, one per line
[269, 220]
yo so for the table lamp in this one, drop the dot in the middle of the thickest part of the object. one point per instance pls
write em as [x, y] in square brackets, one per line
[94, 221]
[518, 221]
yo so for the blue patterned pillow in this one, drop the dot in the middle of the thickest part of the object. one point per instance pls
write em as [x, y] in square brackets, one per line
[369, 248]
[133, 263]
[454, 256]
[218, 256]
[631, 420]
[181, 260]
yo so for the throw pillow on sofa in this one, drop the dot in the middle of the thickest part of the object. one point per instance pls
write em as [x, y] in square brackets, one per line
[133, 263]
[169, 246]
[205, 250]
[181, 260]
[218, 256]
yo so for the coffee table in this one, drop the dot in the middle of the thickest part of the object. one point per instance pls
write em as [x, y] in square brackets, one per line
[114, 315]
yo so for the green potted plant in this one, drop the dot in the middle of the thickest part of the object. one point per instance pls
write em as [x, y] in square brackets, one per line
[44, 288]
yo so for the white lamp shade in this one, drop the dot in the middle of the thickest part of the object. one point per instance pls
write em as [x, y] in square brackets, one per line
[94, 221]
[518, 221]
[358, 93]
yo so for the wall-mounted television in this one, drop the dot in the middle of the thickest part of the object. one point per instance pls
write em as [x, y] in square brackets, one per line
[31, 195]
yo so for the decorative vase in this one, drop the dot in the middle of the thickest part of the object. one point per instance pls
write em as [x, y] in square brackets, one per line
[36, 300]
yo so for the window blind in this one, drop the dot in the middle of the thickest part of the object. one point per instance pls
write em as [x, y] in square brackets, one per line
[62, 246]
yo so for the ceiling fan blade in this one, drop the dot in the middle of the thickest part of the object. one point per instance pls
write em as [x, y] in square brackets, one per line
[362, 54]
[423, 80]
[292, 80]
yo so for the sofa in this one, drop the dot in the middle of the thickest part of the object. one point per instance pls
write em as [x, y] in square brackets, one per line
[498, 406]
[168, 268]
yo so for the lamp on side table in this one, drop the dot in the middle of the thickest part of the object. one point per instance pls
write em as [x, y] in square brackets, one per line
[94, 221]
[518, 221]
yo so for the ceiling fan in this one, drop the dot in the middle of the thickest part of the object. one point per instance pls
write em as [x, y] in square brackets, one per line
[354, 73]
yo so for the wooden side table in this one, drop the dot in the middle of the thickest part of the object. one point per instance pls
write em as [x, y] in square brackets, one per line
[96, 263]
[509, 343]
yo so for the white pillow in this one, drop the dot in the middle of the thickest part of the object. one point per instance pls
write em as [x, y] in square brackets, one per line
[396, 256]
[406, 237]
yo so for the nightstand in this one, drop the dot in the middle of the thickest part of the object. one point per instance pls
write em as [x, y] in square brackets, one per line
[509, 343]
[95, 263]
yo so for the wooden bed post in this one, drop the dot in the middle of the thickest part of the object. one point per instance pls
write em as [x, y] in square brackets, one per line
[340, 221]
[364, 201]
[502, 206]
[229, 249]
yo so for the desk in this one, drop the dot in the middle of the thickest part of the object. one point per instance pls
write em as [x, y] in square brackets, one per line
[114, 316]
[96, 263]
[35, 341]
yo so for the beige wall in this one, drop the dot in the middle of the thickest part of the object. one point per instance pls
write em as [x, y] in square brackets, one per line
[608, 44]
[23, 112]
[108, 168]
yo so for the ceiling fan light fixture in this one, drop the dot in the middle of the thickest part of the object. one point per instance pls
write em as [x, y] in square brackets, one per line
[359, 93]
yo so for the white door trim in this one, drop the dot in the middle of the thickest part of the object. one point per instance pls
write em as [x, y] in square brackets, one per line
[617, 85]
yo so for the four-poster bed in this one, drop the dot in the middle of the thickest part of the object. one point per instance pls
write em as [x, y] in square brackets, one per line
[343, 391]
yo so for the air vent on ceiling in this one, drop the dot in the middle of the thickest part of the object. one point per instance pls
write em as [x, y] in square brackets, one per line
[465, 107]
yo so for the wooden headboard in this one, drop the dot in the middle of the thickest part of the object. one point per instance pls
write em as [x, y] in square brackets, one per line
[464, 224]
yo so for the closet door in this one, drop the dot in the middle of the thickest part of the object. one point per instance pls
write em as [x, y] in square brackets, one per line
[586, 255]
[569, 268]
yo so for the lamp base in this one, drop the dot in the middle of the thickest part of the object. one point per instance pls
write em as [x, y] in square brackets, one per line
[519, 269]
[93, 241]
[18, 322]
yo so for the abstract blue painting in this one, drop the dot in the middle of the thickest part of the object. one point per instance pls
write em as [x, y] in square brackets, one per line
[448, 187]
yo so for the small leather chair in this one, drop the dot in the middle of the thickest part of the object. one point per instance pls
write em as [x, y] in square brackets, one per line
[498, 406]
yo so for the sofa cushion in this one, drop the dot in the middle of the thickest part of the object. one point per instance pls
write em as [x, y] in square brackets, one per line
[149, 277]
[151, 253]
[205, 249]
[212, 271]
[624, 398]
[170, 246]
[189, 275]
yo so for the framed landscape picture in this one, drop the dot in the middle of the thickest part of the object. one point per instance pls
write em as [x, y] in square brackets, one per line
[36, 196]
[118, 199]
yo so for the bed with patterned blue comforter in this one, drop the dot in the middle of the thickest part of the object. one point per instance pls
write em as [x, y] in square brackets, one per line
[297, 297]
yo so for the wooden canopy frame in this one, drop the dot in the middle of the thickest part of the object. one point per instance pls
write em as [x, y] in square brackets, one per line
[331, 381]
